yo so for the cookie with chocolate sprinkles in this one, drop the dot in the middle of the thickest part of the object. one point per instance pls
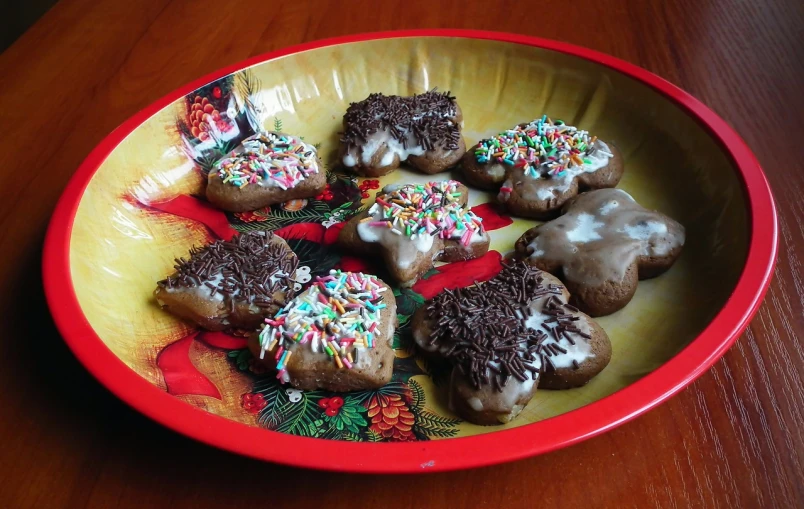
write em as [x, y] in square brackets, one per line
[507, 337]
[231, 284]
[381, 131]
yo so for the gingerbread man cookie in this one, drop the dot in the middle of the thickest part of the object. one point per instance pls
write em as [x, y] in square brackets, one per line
[383, 130]
[506, 338]
[539, 166]
[233, 283]
[414, 225]
[266, 169]
[603, 244]
[336, 335]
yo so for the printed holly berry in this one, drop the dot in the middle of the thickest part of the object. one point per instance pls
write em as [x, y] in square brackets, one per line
[325, 195]
[217, 93]
[331, 406]
[391, 417]
[369, 184]
[253, 403]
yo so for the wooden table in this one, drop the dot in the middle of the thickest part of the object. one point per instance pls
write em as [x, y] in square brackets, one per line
[734, 438]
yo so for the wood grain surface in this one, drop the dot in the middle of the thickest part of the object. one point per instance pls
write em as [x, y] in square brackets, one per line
[734, 438]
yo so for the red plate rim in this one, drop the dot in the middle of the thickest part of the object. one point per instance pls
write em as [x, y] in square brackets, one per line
[439, 455]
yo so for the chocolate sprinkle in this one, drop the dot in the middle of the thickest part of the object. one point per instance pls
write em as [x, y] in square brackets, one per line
[249, 268]
[481, 329]
[429, 119]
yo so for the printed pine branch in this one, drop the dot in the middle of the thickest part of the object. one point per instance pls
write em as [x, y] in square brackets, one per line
[430, 419]
[417, 395]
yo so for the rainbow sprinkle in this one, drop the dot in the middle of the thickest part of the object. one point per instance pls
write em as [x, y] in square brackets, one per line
[268, 159]
[542, 148]
[337, 315]
[431, 209]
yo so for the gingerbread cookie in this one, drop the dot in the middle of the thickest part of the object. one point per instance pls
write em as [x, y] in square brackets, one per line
[506, 338]
[266, 169]
[383, 130]
[336, 335]
[414, 225]
[539, 166]
[603, 244]
[233, 283]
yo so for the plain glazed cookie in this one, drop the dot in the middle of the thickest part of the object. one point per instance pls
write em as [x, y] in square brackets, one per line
[336, 335]
[506, 338]
[233, 283]
[602, 246]
[383, 130]
[266, 169]
[537, 167]
[414, 225]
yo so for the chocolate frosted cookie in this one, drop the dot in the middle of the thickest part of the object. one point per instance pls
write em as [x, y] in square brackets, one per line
[505, 338]
[337, 335]
[539, 166]
[603, 244]
[233, 283]
[412, 226]
[383, 130]
[266, 169]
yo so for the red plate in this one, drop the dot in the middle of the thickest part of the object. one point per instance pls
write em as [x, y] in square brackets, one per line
[564, 64]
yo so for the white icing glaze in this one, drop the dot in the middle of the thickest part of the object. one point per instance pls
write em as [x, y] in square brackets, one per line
[406, 247]
[203, 291]
[585, 229]
[496, 171]
[393, 147]
[475, 404]
[608, 207]
[644, 231]
[363, 359]
[579, 352]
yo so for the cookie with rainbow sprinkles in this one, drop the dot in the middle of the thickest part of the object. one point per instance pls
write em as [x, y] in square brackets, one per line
[538, 166]
[336, 335]
[508, 337]
[382, 131]
[412, 226]
[266, 169]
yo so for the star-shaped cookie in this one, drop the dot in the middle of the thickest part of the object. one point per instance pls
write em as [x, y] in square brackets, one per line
[414, 225]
